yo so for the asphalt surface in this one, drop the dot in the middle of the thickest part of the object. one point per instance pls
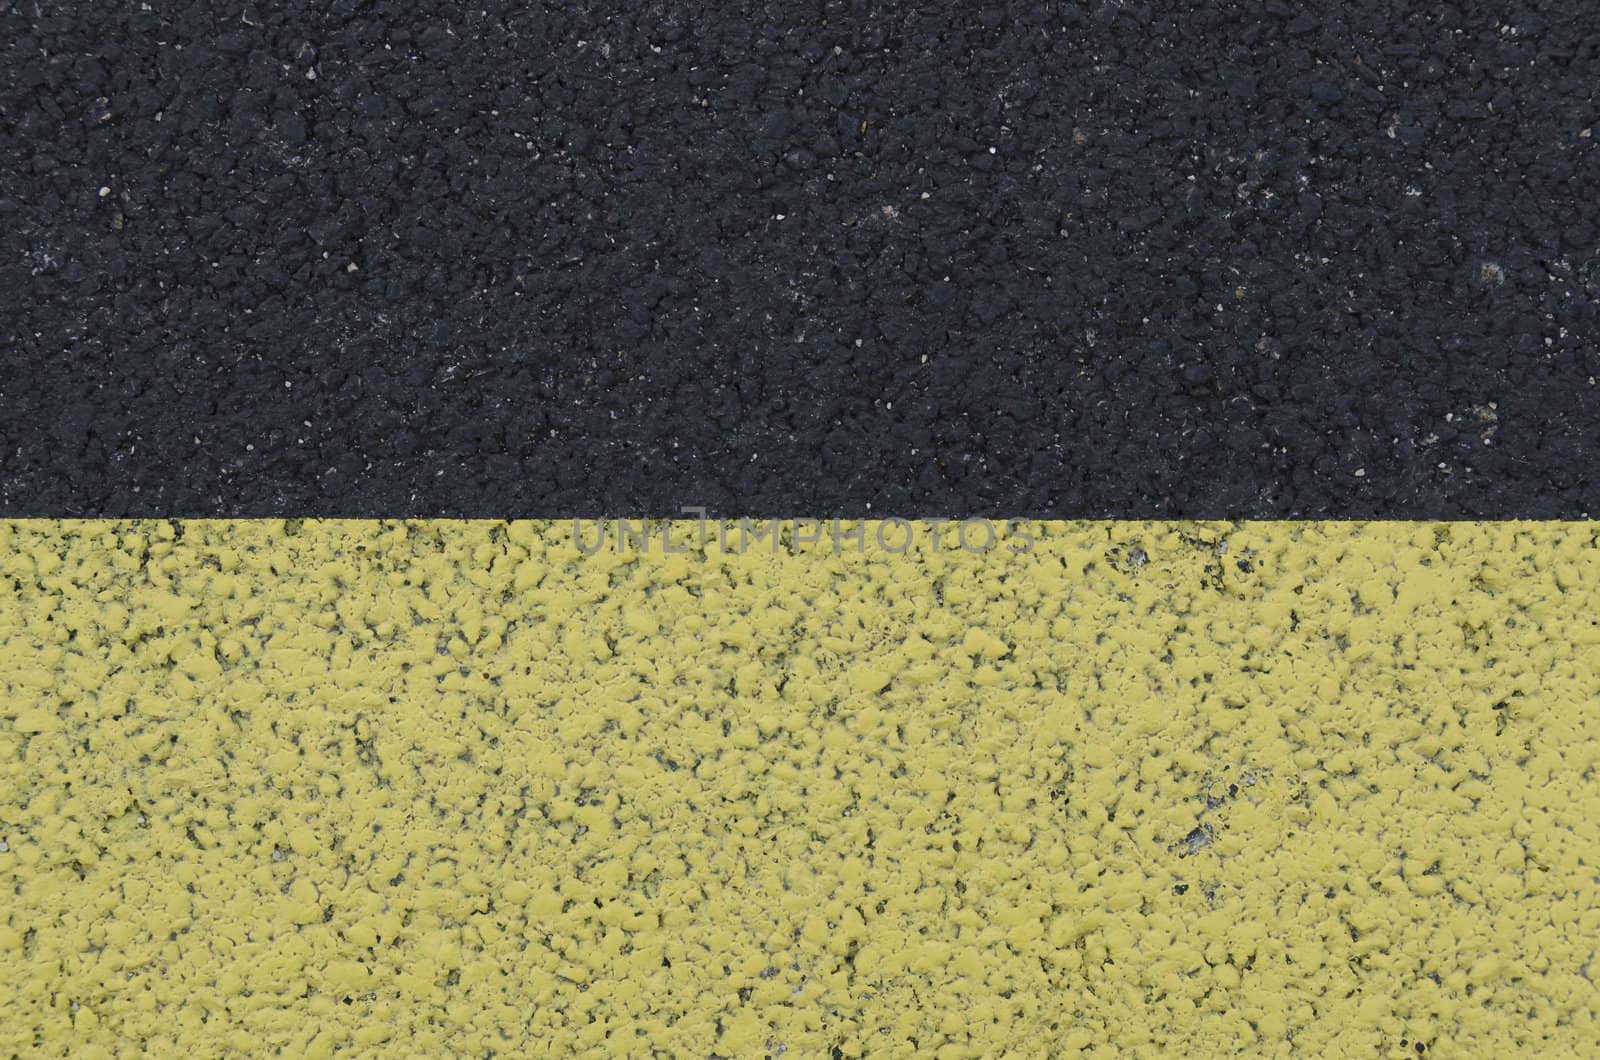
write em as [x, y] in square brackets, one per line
[1121, 259]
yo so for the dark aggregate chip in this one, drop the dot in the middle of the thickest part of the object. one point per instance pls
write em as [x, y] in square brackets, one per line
[1028, 259]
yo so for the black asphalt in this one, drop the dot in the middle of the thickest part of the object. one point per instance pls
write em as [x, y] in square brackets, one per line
[1026, 259]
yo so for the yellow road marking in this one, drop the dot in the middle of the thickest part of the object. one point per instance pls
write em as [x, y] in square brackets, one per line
[1320, 788]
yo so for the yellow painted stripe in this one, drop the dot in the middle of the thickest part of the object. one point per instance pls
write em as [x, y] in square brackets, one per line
[436, 786]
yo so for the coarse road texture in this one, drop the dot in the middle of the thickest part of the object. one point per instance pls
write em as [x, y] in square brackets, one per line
[1044, 259]
[437, 788]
